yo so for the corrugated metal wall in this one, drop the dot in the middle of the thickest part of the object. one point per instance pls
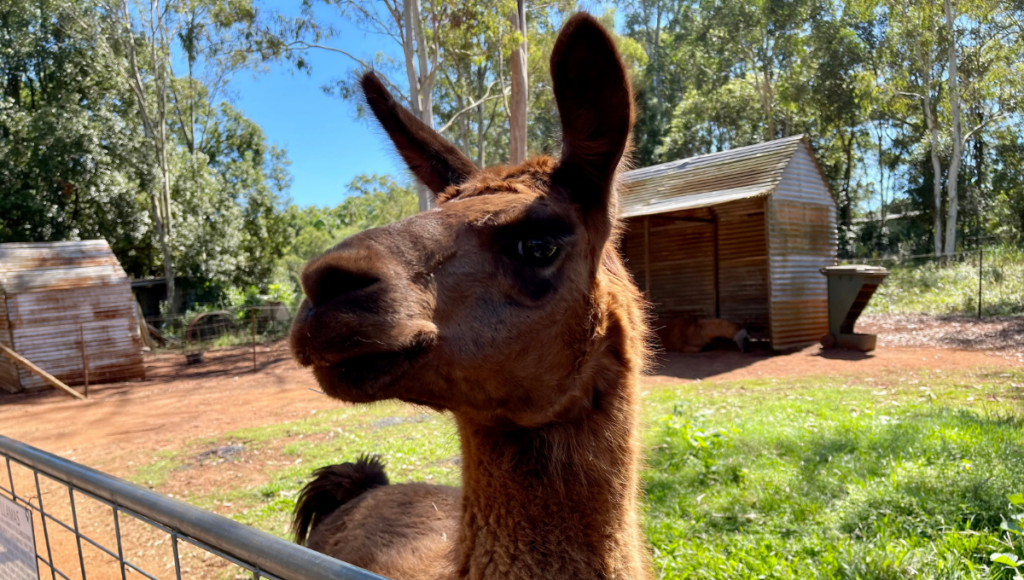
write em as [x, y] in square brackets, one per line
[683, 262]
[682, 271]
[8, 370]
[770, 249]
[55, 293]
[801, 240]
[743, 264]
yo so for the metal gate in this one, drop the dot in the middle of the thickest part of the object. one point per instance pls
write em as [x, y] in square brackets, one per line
[240, 552]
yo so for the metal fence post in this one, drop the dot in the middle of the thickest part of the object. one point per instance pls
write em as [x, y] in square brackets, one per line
[981, 258]
[252, 312]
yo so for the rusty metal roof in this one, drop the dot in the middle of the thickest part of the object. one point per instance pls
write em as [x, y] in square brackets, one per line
[706, 180]
[42, 266]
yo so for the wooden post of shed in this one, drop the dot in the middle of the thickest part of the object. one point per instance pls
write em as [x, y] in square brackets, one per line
[718, 290]
[85, 359]
[647, 257]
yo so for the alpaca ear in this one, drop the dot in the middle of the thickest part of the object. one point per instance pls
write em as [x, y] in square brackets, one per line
[431, 158]
[596, 108]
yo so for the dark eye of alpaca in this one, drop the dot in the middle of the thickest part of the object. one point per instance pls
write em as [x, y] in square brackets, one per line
[538, 252]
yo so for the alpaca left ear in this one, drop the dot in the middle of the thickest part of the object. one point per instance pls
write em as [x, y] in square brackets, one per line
[595, 104]
[431, 158]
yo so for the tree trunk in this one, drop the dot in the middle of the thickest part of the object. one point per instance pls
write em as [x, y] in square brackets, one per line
[158, 222]
[845, 210]
[419, 95]
[926, 80]
[481, 145]
[155, 125]
[952, 201]
[517, 105]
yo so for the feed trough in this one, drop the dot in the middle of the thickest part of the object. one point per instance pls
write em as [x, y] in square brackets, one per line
[849, 290]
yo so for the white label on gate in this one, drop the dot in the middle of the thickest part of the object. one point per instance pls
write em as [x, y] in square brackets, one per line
[17, 542]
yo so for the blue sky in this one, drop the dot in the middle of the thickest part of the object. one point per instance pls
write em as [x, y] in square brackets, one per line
[326, 144]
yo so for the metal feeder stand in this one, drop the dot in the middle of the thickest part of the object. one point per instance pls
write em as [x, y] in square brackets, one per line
[849, 290]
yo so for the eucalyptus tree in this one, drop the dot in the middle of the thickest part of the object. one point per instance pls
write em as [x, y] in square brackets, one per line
[428, 36]
[979, 33]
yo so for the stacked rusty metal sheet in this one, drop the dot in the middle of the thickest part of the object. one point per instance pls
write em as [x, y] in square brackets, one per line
[63, 304]
[739, 235]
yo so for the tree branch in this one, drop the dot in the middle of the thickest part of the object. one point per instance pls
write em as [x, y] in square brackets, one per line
[983, 124]
[487, 97]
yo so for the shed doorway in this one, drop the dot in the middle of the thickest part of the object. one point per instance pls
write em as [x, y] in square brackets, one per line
[706, 263]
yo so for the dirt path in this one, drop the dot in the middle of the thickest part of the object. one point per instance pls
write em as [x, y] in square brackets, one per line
[997, 335]
[177, 404]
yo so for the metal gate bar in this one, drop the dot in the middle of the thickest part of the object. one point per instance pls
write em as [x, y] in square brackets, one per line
[265, 556]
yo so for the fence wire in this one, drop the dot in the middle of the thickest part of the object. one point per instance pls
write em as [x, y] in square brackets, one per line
[212, 328]
[93, 526]
[986, 281]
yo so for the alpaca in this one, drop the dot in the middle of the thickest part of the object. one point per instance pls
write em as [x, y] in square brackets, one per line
[507, 305]
[690, 334]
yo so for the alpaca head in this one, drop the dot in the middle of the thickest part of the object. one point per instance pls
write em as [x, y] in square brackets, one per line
[484, 305]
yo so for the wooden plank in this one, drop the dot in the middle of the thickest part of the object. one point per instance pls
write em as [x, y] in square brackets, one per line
[43, 374]
[647, 257]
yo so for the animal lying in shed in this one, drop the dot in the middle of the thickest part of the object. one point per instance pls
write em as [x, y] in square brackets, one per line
[691, 334]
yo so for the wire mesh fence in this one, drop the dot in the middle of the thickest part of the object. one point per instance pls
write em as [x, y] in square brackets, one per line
[91, 526]
[986, 281]
[209, 328]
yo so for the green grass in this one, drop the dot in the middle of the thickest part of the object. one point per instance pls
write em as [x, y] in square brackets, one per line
[891, 476]
[825, 480]
[950, 289]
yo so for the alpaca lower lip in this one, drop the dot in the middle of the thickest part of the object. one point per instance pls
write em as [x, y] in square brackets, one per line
[364, 377]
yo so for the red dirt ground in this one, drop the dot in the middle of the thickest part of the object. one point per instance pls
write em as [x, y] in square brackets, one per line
[178, 403]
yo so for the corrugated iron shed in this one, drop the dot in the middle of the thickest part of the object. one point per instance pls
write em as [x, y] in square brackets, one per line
[706, 180]
[51, 296]
[739, 234]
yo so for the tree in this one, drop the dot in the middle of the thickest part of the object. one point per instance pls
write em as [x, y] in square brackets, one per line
[432, 38]
[67, 159]
[519, 82]
[424, 32]
[985, 92]
[148, 81]
[77, 161]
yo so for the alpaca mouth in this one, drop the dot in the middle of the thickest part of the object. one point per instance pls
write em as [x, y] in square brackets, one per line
[366, 377]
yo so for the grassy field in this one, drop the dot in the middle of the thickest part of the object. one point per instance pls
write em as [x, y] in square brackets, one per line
[901, 476]
[933, 288]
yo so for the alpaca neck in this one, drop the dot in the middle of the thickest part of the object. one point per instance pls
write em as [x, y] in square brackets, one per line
[557, 501]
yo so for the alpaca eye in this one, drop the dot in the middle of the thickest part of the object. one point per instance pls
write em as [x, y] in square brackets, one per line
[539, 252]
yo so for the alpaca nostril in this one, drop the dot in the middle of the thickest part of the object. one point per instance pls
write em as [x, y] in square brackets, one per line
[333, 282]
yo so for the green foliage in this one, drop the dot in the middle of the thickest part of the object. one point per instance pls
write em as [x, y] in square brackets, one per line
[1011, 556]
[76, 162]
[940, 288]
[832, 479]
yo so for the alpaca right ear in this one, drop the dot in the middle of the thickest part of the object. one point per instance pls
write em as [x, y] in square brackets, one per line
[595, 104]
[431, 158]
